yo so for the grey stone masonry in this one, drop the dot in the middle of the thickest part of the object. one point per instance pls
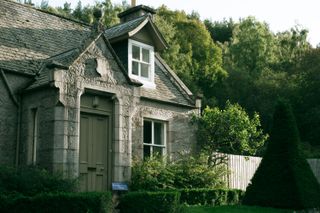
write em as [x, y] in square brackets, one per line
[54, 71]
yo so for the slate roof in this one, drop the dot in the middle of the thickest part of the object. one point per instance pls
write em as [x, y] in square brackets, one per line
[124, 28]
[29, 37]
[169, 88]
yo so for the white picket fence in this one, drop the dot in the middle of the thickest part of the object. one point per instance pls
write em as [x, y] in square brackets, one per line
[242, 169]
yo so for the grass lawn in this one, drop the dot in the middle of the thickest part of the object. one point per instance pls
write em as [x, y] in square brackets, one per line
[233, 209]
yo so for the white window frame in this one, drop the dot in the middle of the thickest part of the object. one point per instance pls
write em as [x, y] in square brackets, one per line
[152, 144]
[147, 82]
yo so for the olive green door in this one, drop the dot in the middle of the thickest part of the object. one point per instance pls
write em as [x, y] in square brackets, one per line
[93, 159]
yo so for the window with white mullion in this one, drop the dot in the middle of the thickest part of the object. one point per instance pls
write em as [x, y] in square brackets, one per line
[141, 62]
[154, 142]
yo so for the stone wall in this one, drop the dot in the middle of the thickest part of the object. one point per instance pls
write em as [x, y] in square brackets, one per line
[9, 115]
[43, 102]
[180, 132]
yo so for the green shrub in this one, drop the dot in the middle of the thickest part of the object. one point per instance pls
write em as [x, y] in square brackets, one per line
[59, 202]
[30, 181]
[284, 178]
[186, 172]
[166, 202]
[216, 197]
[194, 172]
[151, 174]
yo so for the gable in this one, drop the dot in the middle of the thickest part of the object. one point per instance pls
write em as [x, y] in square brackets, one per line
[141, 27]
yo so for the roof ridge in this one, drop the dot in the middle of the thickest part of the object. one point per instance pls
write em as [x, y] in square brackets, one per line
[144, 16]
[48, 12]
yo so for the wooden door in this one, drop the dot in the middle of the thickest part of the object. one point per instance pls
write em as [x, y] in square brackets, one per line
[94, 140]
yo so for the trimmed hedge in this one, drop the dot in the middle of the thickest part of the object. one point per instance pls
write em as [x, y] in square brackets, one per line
[90, 202]
[167, 202]
[284, 178]
[31, 180]
[215, 197]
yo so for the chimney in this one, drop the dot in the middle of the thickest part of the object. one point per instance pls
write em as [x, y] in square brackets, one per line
[133, 3]
[198, 103]
[135, 12]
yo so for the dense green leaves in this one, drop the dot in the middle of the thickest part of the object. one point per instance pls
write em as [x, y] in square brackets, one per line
[198, 61]
[284, 178]
[230, 130]
[186, 172]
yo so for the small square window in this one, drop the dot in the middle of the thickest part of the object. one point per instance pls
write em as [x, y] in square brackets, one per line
[153, 138]
[141, 63]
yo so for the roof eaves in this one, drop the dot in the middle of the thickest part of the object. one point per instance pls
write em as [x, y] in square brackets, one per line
[138, 28]
[168, 102]
[158, 33]
[175, 77]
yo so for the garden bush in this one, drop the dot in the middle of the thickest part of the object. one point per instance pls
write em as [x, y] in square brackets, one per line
[215, 197]
[186, 172]
[30, 181]
[284, 178]
[166, 202]
[90, 202]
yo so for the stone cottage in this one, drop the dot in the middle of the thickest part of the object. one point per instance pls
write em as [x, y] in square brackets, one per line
[86, 101]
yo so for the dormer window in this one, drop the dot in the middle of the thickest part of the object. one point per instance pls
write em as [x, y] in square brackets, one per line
[141, 63]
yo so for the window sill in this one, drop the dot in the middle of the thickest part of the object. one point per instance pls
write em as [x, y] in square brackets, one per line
[146, 83]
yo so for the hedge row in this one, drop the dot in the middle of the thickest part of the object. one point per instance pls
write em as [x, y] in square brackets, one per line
[214, 197]
[89, 202]
[167, 202]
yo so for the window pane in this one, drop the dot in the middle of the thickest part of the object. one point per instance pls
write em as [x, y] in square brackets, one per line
[147, 132]
[145, 70]
[158, 133]
[135, 52]
[145, 55]
[135, 68]
[146, 151]
[157, 151]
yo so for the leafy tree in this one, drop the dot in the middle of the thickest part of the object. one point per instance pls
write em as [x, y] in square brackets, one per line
[307, 103]
[252, 48]
[292, 45]
[199, 60]
[230, 131]
[220, 31]
[284, 178]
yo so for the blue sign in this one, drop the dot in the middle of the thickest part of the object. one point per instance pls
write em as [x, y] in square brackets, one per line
[118, 186]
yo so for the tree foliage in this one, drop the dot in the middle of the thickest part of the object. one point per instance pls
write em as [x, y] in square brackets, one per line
[197, 60]
[230, 130]
[220, 31]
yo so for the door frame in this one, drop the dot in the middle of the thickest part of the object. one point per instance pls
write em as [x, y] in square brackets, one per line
[108, 112]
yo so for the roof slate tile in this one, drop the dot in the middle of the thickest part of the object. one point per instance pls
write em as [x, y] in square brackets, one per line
[28, 36]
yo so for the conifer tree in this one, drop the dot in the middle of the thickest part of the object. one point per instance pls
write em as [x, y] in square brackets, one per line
[284, 178]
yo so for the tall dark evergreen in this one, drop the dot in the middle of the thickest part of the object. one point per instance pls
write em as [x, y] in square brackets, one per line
[284, 178]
